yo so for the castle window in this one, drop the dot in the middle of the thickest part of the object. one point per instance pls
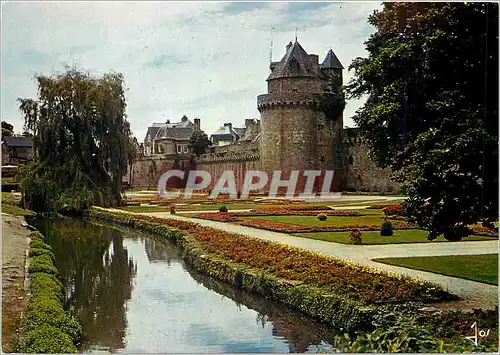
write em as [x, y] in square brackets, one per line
[351, 160]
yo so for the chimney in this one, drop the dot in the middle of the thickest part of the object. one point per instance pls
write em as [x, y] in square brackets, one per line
[288, 46]
[248, 122]
[230, 125]
[168, 121]
[184, 118]
[197, 123]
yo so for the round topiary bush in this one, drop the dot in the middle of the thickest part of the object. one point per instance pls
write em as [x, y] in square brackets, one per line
[356, 236]
[455, 234]
[322, 217]
[172, 209]
[386, 229]
[223, 209]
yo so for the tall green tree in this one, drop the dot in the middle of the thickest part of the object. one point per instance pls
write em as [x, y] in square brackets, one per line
[431, 78]
[82, 141]
[199, 142]
[7, 129]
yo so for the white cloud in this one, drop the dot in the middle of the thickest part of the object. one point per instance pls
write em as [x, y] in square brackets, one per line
[207, 60]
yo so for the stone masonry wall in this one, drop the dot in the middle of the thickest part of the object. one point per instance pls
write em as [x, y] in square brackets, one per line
[363, 175]
[146, 171]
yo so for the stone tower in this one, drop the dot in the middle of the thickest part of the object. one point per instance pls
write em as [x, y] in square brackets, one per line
[296, 132]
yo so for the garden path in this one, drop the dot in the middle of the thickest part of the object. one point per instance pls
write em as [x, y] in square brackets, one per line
[473, 294]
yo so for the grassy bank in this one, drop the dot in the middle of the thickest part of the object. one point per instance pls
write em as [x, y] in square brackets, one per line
[47, 327]
[11, 205]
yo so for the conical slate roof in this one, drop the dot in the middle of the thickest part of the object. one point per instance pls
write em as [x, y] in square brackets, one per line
[294, 63]
[331, 61]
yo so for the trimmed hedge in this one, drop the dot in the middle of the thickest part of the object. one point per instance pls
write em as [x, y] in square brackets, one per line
[48, 328]
[322, 303]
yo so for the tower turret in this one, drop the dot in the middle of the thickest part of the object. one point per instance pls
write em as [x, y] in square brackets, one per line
[294, 132]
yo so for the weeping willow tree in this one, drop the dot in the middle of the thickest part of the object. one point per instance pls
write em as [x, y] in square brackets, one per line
[82, 142]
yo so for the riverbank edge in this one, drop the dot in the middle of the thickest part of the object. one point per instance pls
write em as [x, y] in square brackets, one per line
[335, 310]
[46, 326]
[11, 333]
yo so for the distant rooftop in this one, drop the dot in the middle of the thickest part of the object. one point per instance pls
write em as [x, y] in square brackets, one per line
[17, 141]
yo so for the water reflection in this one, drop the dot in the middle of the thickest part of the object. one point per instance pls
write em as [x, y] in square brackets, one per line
[97, 276]
[135, 294]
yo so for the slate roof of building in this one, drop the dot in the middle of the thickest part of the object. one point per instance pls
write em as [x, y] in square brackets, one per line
[181, 130]
[240, 131]
[176, 132]
[296, 53]
[224, 130]
[12, 141]
[331, 61]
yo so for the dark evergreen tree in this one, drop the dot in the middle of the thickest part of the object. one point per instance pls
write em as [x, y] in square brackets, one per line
[432, 110]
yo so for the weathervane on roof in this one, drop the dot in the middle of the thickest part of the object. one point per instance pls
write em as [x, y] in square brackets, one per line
[296, 30]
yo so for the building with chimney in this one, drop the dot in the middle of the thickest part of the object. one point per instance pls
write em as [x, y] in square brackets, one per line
[296, 131]
[170, 138]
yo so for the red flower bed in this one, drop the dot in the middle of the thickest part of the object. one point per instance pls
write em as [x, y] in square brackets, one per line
[217, 216]
[293, 228]
[292, 207]
[378, 206]
[287, 212]
[355, 282]
[393, 210]
[479, 230]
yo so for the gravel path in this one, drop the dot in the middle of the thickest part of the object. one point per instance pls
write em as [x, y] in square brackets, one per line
[473, 294]
[14, 246]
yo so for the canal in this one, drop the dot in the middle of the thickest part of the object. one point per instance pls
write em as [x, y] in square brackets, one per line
[133, 293]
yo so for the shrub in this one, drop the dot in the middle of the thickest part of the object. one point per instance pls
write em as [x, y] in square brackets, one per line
[322, 217]
[386, 230]
[223, 209]
[42, 284]
[40, 251]
[456, 233]
[355, 236]
[47, 339]
[40, 245]
[48, 328]
[36, 235]
[172, 209]
[42, 263]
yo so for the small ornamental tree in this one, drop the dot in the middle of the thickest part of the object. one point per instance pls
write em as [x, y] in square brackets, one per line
[386, 229]
[199, 143]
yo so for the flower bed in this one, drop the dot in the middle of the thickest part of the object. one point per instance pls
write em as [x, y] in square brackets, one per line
[379, 206]
[393, 210]
[217, 216]
[290, 212]
[488, 232]
[292, 207]
[357, 283]
[294, 228]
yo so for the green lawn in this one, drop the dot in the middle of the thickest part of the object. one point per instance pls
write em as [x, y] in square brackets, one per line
[152, 209]
[481, 268]
[373, 237]
[331, 221]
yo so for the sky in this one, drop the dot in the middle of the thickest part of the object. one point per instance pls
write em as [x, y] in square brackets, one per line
[202, 59]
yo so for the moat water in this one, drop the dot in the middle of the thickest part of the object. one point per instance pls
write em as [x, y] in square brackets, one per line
[134, 294]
